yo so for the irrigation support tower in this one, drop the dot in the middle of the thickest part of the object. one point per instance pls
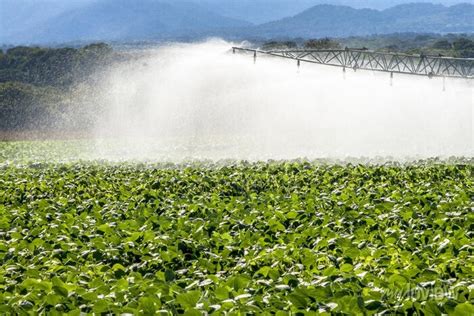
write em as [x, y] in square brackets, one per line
[421, 65]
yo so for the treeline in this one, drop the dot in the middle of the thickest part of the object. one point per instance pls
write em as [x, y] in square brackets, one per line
[36, 83]
[58, 67]
[453, 45]
[462, 47]
[324, 43]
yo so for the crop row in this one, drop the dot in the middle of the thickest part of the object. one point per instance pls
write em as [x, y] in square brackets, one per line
[260, 238]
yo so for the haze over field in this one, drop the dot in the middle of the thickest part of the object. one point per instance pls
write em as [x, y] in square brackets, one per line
[200, 101]
[177, 101]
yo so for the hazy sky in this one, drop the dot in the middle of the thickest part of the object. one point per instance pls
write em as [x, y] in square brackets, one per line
[255, 11]
[245, 3]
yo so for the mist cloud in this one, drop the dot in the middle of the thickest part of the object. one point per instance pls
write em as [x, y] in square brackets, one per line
[200, 101]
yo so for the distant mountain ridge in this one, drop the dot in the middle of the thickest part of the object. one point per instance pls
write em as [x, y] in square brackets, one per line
[263, 11]
[342, 21]
[125, 20]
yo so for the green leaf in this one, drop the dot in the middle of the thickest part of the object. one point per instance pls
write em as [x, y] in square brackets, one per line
[221, 293]
[90, 296]
[431, 308]
[346, 267]
[263, 271]
[238, 282]
[149, 305]
[59, 286]
[299, 301]
[397, 280]
[192, 312]
[118, 266]
[291, 215]
[100, 306]
[463, 309]
[189, 299]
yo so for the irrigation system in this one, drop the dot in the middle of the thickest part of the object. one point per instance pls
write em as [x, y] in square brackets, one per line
[421, 65]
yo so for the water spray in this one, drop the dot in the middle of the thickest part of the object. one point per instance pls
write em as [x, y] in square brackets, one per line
[200, 101]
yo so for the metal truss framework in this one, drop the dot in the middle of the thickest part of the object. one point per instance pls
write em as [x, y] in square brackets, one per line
[422, 65]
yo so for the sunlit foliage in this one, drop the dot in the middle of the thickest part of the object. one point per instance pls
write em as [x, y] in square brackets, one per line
[283, 237]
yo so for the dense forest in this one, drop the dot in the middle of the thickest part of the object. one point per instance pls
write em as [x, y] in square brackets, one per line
[39, 87]
[36, 83]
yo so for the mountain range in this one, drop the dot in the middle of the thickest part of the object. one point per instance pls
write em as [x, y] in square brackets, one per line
[343, 21]
[54, 21]
[120, 20]
[263, 11]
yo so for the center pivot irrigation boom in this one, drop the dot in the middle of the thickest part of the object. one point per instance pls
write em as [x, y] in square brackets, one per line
[421, 65]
